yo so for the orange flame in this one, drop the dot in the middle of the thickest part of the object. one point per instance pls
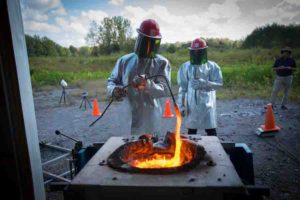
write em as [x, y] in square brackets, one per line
[165, 160]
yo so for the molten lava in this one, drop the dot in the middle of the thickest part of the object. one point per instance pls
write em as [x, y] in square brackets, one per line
[175, 154]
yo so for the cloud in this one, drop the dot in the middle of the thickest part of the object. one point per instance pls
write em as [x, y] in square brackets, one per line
[116, 2]
[66, 30]
[228, 10]
[75, 28]
[228, 18]
[41, 27]
[62, 28]
[59, 11]
[42, 8]
[96, 15]
[176, 27]
[31, 14]
[42, 4]
[293, 2]
[36, 14]
[280, 12]
[80, 24]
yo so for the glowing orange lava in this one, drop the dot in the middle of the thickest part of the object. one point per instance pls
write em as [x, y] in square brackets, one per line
[160, 160]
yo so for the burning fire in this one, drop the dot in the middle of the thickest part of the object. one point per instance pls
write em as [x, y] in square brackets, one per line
[178, 153]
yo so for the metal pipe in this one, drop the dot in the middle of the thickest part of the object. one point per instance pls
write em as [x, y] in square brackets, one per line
[55, 159]
[56, 147]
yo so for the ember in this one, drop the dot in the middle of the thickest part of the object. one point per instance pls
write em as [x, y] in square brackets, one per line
[148, 155]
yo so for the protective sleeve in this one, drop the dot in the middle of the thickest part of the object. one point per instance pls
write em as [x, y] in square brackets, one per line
[182, 81]
[215, 80]
[115, 78]
[157, 87]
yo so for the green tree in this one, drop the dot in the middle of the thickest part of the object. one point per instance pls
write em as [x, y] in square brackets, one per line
[37, 46]
[92, 36]
[73, 50]
[84, 51]
[50, 48]
[171, 48]
[273, 35]
[111, 35]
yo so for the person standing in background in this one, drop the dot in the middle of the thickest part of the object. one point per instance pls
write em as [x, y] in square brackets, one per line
[198, 80]
[284, 67]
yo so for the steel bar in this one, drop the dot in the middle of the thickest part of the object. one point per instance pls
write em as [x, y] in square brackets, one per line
[56, 177]
[61, 175]
[55, 159]
[56, 147]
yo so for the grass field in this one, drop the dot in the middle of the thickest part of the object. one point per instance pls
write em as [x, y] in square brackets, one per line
[247, 73]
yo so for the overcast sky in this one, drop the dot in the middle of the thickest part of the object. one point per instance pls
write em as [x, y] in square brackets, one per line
[67, 21]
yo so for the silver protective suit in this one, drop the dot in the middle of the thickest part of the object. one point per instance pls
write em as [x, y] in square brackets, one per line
[199, 101]
[146, 109]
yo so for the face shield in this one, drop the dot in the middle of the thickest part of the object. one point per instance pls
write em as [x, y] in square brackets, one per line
[146, 47]
[198, 56]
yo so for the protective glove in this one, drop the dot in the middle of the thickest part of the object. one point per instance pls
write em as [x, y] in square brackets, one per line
[119, 92]
[139, 82]
[197, 84]
[182, 113]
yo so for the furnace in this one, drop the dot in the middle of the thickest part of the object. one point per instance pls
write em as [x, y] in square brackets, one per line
[151, 155]
[212, 177]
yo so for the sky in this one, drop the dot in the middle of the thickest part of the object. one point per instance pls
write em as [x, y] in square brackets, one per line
[67, 21]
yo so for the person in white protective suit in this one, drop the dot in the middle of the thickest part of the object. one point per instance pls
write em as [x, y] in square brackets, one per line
[143, 94]
[198, 80]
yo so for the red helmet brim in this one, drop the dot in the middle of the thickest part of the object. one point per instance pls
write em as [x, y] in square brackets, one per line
[155, 37]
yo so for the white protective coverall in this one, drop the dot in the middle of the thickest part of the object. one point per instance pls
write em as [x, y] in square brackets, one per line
[145, 105]
[199, 101]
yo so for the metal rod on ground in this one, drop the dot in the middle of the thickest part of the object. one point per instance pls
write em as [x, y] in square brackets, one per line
[150, 77]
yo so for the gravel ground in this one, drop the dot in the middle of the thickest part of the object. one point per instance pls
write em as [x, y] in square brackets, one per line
[276, 159]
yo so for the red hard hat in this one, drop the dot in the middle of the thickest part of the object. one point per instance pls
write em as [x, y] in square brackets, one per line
[149, 28]
[198, 43]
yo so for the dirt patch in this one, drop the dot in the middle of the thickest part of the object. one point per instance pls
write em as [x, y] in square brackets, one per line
[276, 160]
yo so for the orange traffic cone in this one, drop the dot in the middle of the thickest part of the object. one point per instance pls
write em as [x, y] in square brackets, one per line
[96, 112]
[270, 126]
[168, 112]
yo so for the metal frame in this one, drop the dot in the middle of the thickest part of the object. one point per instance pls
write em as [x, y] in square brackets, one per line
[58, 177]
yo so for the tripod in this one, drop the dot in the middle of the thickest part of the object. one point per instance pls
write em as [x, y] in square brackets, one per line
[84, 100]
[63, 95]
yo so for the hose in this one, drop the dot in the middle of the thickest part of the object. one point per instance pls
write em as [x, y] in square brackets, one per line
[150, 77]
